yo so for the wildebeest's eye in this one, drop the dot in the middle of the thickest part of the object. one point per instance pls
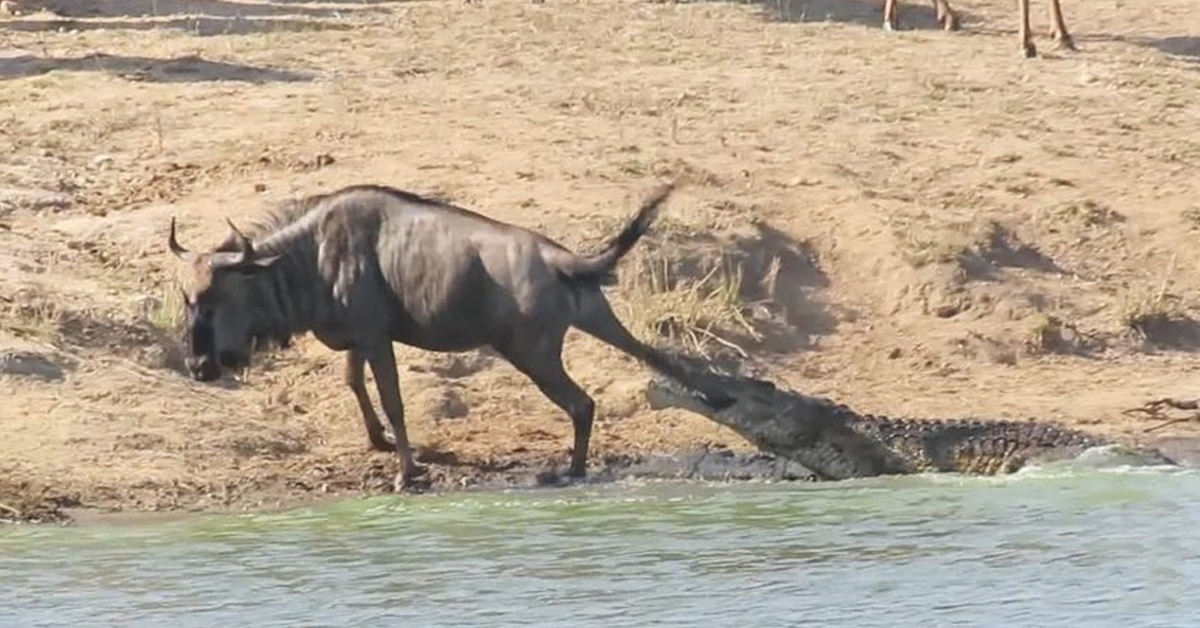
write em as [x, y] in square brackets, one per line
[191, 311]
[205, 301]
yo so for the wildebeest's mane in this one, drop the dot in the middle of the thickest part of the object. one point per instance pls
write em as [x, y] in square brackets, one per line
[284, 214]
[281, 216]
[271, 221]
[277, 226]
[290, 211]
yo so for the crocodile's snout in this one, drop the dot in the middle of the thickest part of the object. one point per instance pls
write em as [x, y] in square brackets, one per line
[664, 392]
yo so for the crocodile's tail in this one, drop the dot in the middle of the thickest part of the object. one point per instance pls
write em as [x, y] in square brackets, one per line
[978, 447]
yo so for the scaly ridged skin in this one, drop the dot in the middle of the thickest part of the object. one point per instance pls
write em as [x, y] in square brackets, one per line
[973, 446]
[835, 442]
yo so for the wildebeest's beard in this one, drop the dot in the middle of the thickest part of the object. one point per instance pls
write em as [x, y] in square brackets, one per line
[202, 361]
[217, 340]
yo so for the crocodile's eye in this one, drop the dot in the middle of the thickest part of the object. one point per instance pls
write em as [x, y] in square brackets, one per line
[717, 403]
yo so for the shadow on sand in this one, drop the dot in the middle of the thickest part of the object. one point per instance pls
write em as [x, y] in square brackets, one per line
[190, 69]
[1183, 47]
[203, 18]
[913, 15]
[167, 8]
[198, 26]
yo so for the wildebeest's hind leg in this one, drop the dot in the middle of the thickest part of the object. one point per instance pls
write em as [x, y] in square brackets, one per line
[355, 361]
[541, 361]
[383, 364]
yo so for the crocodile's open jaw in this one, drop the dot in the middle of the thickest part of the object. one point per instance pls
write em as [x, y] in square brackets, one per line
[664, 392]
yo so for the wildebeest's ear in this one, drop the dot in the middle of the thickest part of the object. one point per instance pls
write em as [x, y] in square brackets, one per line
[255, 266]
[230, 244]
[240, 262]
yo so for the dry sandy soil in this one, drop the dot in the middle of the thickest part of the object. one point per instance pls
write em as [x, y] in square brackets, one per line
[925, 223]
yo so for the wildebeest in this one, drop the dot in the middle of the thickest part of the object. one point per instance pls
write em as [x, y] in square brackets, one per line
[366, 265]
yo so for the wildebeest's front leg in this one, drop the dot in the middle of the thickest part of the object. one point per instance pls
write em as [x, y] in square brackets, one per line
[383, 364]
[355, 361]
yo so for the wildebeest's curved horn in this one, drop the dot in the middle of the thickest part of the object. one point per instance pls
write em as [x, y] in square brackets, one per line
[173, 244]
[245, 247]
[243, 257]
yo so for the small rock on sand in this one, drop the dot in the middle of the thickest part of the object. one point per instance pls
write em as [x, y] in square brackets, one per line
[30, 364]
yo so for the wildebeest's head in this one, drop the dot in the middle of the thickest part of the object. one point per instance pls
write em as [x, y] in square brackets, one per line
[217, 293]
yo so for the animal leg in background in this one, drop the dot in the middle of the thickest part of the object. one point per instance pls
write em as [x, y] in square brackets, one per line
[1060, 34]
[945, 15]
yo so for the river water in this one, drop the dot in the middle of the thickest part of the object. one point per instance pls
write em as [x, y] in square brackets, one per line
[1072, 545]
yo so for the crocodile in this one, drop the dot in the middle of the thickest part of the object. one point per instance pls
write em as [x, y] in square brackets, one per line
[835, 442]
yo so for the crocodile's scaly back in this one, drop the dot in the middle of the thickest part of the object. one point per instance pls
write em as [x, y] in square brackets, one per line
[973, 446]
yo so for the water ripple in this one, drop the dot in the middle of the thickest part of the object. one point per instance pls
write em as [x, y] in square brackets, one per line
[1051, 547]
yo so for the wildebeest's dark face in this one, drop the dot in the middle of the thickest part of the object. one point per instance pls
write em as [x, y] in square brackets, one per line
[217, 295]
[218, 325]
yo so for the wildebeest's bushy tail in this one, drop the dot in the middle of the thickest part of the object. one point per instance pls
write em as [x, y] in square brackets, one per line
[599, 268]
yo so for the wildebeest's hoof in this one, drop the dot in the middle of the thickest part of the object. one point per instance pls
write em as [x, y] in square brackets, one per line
[552, 477]
[413, 486]
[415, 480]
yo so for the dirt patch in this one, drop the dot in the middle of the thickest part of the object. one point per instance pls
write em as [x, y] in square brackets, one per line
[915, 223]
[33, 502]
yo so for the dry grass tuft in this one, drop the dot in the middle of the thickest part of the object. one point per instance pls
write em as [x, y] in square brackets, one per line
[1084, 213]
[31, 314]
[1043, 333]
[1145, 308]
[166, 314]
[695, 313]
[1049, 334]
[922, 244]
